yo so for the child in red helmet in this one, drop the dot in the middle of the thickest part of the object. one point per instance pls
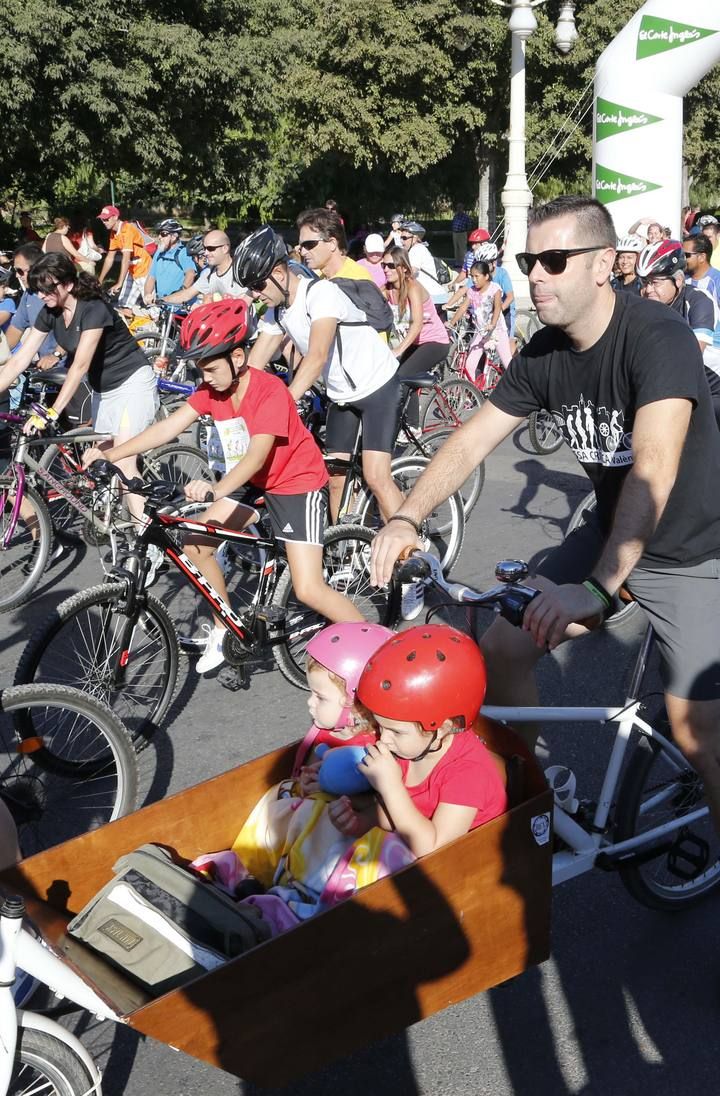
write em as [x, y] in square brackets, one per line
[433, 783]
[264, 444]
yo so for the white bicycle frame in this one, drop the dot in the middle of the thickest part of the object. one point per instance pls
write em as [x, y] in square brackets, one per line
[20, 948]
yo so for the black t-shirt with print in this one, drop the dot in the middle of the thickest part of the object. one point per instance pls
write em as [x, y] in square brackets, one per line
[647, 353]
[117, 356]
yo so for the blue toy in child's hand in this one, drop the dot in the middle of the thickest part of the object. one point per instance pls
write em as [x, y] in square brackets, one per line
[339, 774]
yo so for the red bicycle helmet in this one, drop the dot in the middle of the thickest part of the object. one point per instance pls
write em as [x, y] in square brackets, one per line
[662, 259]
[215, 329]
[425, 675]
[478, 236]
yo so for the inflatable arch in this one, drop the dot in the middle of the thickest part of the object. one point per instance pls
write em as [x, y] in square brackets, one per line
[640, 80]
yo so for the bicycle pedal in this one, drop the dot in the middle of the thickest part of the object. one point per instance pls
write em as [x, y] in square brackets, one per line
[273, 616]
[234, 678]
[689, 856]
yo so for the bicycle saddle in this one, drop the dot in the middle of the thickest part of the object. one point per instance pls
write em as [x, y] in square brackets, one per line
[422, 380]
[55, 376]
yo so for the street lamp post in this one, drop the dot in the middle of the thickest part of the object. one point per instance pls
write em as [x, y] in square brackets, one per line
[516, 195]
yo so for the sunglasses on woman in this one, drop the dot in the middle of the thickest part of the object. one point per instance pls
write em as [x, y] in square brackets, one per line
[388, 266]
[554, 260]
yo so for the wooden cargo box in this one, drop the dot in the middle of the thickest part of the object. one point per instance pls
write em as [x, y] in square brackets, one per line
[462, 919]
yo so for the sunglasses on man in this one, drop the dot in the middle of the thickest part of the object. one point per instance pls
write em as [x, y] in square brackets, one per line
[213, 247]
[308, 245]
[554, 260]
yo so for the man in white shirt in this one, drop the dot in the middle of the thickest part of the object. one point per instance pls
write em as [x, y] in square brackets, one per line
[412, 238]
[337, 345]
[217, 279]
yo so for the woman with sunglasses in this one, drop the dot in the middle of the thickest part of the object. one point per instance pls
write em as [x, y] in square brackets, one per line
[421, 341]
[98, 346]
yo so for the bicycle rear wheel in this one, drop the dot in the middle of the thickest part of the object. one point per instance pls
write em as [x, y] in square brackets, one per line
[24, 549]
[85, 643]
[427, 445]
[66, 764]
[445, 523]
[451, 403]
[346, 567]
[655, 791]
[545, 431]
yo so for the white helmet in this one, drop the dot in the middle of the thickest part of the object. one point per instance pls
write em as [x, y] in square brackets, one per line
[630, 243]
[487, 252]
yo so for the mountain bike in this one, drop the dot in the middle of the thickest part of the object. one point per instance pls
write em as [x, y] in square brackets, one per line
[119, 642]
[649, 821]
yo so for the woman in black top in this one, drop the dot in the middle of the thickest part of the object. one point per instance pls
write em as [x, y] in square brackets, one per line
[98, 346]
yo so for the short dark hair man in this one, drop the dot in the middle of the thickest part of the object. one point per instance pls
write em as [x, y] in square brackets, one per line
[625, 377]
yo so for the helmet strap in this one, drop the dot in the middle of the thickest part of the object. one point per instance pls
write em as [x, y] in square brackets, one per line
[284, 289]
[430, 748]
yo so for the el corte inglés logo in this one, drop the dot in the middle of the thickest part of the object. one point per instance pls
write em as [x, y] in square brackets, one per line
[611, 118]
[611, 186]
[657, 35]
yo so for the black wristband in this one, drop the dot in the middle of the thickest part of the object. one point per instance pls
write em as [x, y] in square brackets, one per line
[410, 521]
[601, 590]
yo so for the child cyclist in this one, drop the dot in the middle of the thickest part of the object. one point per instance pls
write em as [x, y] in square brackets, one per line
[484, 299]
[264, 444]
[434, 778]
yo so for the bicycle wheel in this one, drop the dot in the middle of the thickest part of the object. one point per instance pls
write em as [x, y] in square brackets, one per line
[67, 764]
[427, 444]
[176, 463]
[242, 563]
[526, 325]
[346, 567]
[449, 403]
[25, 545]
[84, 643]
[446, 522]
[623, 610]
[46, 1064]
[64, 463]
[655, 791]
[545, 431]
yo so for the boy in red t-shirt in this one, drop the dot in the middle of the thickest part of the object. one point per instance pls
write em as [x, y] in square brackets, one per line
[264, 444]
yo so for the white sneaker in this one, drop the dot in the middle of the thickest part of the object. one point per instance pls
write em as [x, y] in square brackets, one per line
[412, 600]
[156, 557]
[212, 656]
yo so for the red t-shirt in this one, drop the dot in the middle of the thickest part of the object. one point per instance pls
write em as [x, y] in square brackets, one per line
[466, 776]
[295, 464]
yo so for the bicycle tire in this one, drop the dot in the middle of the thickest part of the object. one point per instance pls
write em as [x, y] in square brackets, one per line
[23, 561]
[68, 765]
[64, 461]
[544, 432]
[346, 566]
[445, 523]
[177, 463]
[460, 400]
[625, 610]
[651, 783]
[41, 1057]
[79, 645]
[527, 324]
[427, 444]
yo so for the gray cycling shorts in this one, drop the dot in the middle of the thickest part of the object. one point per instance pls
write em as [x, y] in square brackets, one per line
[681, 603]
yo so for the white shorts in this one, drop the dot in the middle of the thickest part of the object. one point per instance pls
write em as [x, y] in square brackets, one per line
[129, 408]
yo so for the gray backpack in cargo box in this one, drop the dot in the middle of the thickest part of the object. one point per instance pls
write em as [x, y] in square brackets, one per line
[162, 924]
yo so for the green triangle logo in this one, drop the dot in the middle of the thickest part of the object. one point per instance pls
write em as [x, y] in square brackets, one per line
[612, 118]
[611, 186]
[658, 35]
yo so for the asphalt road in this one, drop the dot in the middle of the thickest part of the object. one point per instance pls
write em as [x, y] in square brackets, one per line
[600, 1017]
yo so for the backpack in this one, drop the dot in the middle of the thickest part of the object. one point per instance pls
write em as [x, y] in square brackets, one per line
[162, 924]
[443, 274]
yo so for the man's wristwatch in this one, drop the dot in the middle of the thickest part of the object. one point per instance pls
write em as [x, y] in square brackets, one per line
[58, 354]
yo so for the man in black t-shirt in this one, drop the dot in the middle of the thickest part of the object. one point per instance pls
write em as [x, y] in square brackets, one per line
[625, 376]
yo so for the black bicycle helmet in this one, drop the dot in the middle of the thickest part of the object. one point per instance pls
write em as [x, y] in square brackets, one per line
[257, 256]
[195, 245]
[170, 224]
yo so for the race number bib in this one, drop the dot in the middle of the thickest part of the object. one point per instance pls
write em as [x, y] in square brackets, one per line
[235, 440]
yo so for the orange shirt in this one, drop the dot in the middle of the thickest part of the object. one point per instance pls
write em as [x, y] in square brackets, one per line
[129, 238]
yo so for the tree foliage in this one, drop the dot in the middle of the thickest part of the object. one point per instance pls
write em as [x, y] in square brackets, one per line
[256, 108]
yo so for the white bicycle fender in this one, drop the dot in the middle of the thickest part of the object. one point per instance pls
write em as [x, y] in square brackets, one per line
[43, 1023]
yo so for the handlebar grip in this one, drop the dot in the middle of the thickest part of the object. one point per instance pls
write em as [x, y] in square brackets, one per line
[413, 569]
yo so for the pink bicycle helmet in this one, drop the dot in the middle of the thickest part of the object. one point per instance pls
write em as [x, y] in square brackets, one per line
[344, 649]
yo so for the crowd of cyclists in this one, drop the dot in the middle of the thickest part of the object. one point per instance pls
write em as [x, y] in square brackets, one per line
[628, 360]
